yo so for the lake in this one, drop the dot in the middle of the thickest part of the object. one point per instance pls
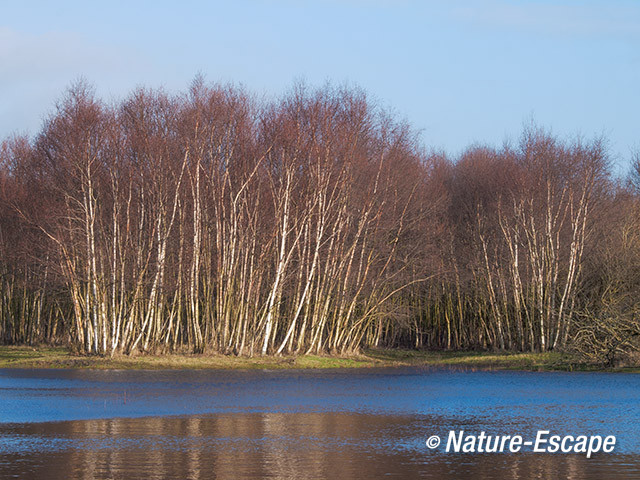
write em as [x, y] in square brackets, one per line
[360, 423]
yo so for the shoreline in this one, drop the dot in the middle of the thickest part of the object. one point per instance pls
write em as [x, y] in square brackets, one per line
[61, 357]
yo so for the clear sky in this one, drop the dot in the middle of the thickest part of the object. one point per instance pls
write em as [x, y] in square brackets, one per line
[460, 71]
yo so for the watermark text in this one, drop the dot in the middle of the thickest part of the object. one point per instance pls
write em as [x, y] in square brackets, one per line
[544, 442]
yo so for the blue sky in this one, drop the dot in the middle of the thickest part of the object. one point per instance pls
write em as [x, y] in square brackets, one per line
[460, 71]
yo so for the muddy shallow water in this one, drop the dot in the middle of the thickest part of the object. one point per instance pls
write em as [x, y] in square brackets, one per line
[307, 424]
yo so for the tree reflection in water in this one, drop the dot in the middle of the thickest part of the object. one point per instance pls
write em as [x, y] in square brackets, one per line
[271, 445]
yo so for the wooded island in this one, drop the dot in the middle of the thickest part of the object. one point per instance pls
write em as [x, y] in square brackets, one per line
[211, 221]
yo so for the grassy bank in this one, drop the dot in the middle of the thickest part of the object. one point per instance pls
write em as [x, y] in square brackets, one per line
[61, 357]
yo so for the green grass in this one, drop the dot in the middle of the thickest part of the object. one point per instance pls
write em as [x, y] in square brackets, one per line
[502, 360]
[61, 357]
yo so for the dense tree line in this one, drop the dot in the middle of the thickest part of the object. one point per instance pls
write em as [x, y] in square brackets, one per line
[210, 221]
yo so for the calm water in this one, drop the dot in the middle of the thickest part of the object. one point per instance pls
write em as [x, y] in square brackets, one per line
[307, 424]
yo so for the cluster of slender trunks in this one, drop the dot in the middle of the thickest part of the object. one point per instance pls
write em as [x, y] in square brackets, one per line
[210, 221]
